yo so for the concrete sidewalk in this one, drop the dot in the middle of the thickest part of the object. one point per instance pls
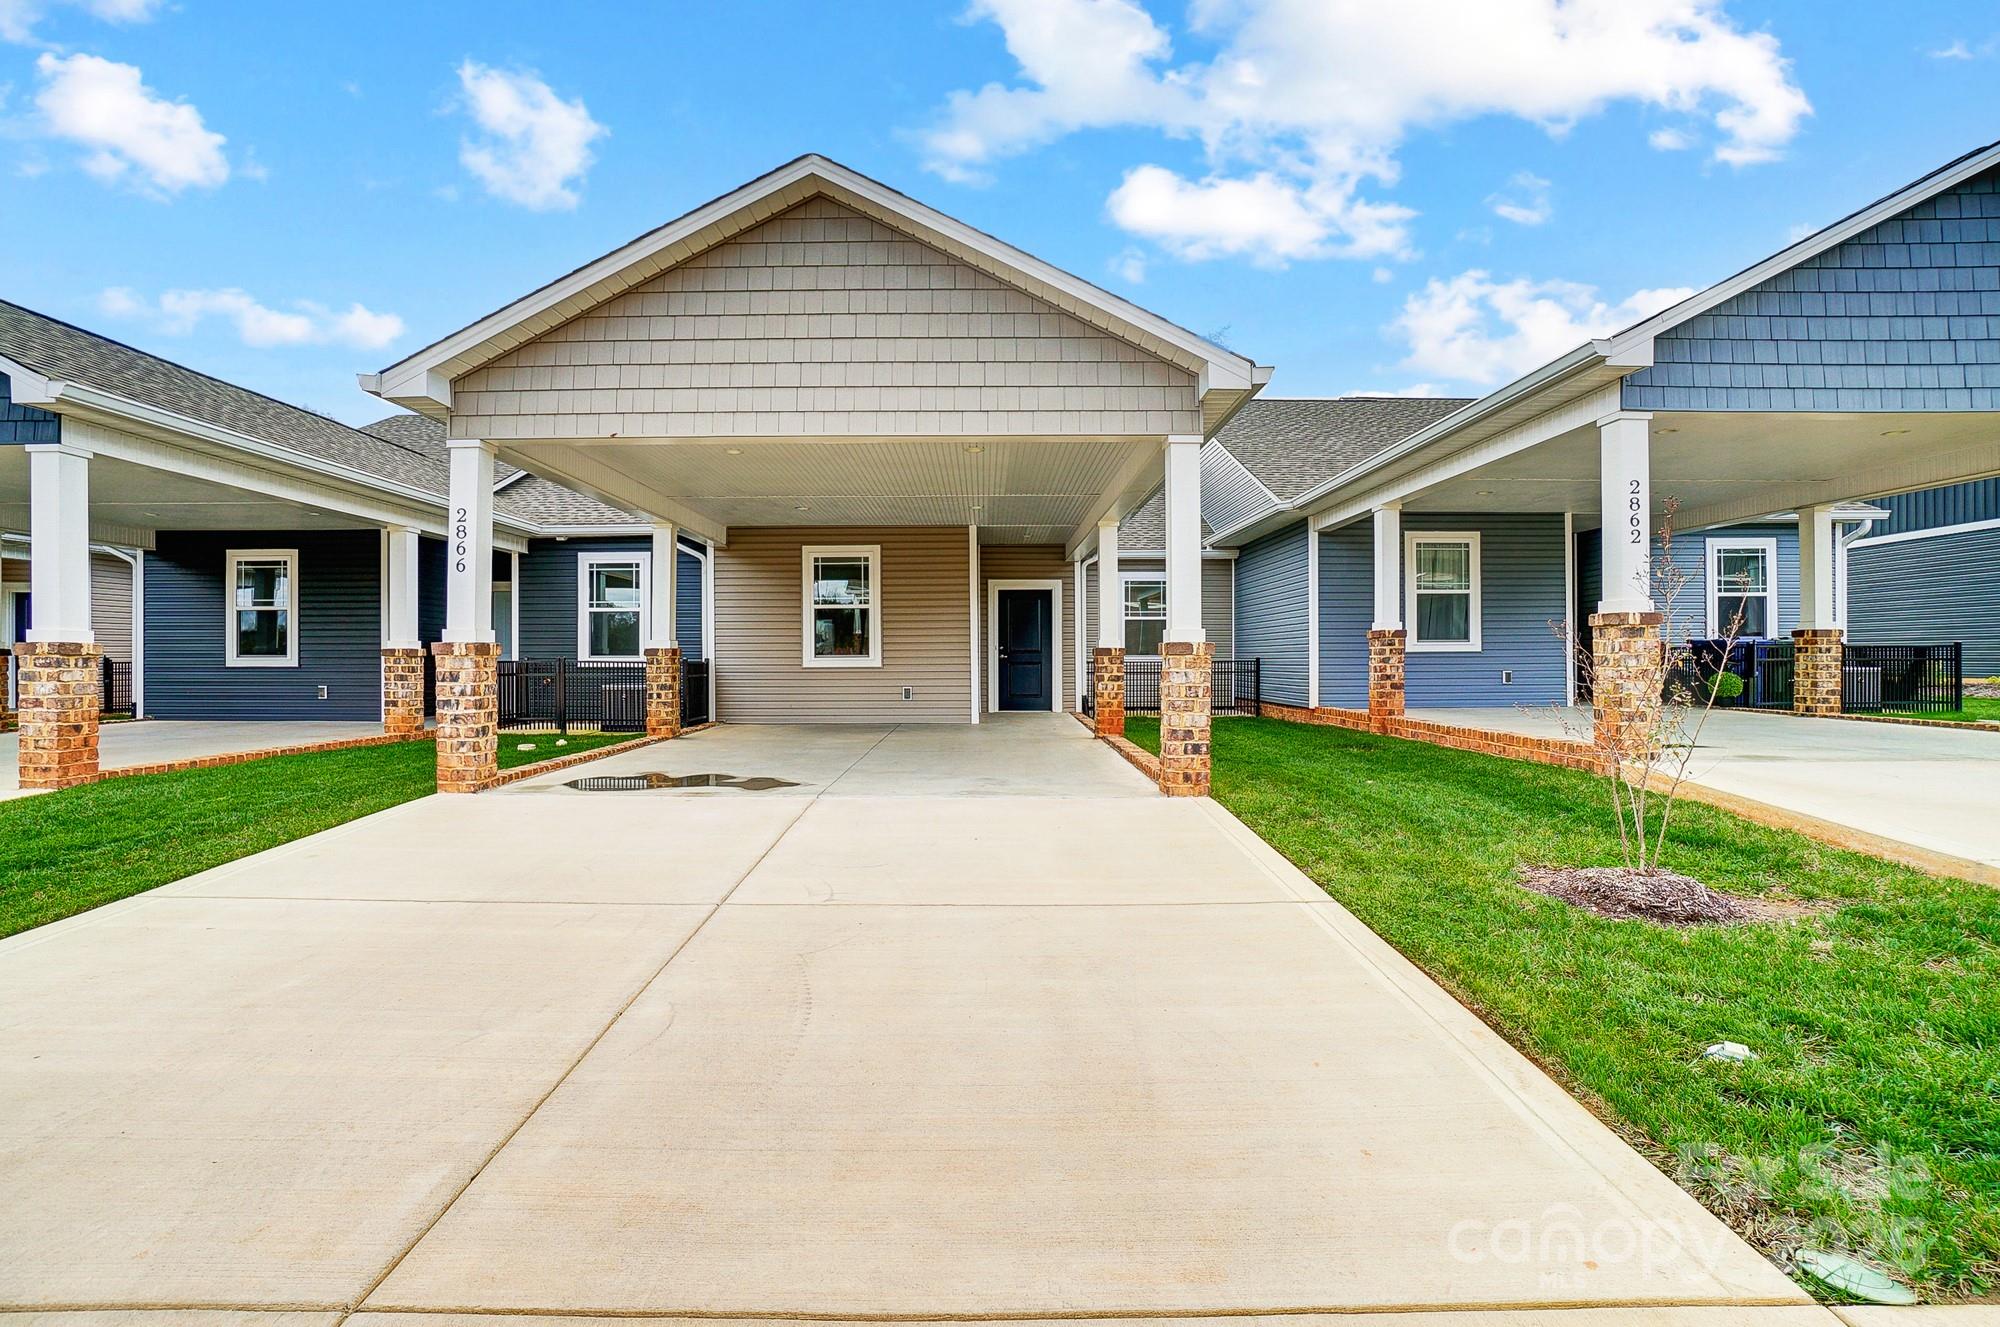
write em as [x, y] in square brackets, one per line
[849, 1049]
[153, 741]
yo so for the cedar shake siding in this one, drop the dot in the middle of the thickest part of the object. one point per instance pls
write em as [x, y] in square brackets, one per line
[547, 595]
[1904, 316]
[926, 630]
[1029, 562]
[823, 321]
[339, 629]
[25, 423]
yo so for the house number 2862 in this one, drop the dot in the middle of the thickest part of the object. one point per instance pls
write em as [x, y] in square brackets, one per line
[460, 532]
[1635, 513]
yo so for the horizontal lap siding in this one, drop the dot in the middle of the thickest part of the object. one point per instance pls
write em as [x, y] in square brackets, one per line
[1218, 600]
[111, 605]
[1904, 316]
[547, 595]
[926, 630]
[339, 629]
[1929, 591]
[1522, 593]
[1688, 618]
[1271, 605]
[1024, 563]
[1954, 504]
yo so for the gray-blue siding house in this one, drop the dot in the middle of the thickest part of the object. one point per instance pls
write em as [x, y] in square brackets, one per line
[1821, 423]
[315, 514]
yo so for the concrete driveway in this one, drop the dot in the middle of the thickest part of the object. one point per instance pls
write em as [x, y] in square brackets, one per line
[965, 1023]
[1932, 787]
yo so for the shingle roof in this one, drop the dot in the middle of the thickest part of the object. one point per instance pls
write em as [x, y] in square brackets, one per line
[58, 350]
[1293, 445]
[542, 501]
[1144, 528]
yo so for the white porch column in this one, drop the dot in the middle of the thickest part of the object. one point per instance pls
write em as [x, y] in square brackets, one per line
[1110, 593]
[662, 588]
[399, 625]
[468, 601]
[1625, 496]
[1389, 567]
[1818, 552]
[1184, 540]
[59, 542]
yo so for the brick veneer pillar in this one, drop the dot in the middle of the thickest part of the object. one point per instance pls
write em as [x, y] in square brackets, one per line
[468, 714]
[59, 698]
[1817, 670]
[1184, 718]
[1385, 673]
[663, 692]
[1107, 681]
[1627, 678]
[403, 691]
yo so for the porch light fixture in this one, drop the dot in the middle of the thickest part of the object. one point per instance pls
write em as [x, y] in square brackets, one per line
[734, 451]
[974, 451]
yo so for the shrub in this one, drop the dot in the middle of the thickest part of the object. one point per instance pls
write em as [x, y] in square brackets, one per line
[1725, 686]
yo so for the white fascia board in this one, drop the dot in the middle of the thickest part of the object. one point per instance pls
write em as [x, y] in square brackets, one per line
[515, 478]
[417, 378]
[1947, 177]
[29, 387]
[1934, 532]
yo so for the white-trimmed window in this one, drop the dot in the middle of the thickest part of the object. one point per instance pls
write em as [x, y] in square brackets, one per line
[1742, 584]
[1441, 588]
[1145, 615]
[842, 597]
[263, 626]
[611, 593]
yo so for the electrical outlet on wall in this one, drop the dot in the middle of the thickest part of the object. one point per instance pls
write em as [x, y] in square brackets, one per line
[1507, 676]
[322, 693]
[909, 693]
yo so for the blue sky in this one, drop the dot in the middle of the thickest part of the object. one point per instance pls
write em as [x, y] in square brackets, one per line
[1425, 197]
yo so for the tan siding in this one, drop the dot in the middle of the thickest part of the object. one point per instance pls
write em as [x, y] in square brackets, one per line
[1017, 562]
[926, 630]
[111, 605]
[824, 322]
[1218, 600]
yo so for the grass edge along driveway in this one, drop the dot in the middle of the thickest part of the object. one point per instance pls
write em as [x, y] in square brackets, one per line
[1870, 1121]
[66, 852]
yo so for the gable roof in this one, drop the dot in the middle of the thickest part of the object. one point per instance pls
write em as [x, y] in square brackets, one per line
[1289, 445]
[62, 352]
[422, 381]
[1144, 528]
[529, 497]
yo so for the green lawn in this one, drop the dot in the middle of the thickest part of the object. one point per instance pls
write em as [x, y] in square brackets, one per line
[1977, 709]
[65, 852]
[1870, 1121]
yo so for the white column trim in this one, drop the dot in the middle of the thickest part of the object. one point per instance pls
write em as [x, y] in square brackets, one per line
[662, 589]
[1570, 661]
[1183, 497]
[1818, 551]
[400, 561]
[59, 542]
[1312, 616]
[708, 623]
[468, 568]
[972, 613]
[1084, 662]
[1625, 505]
[1110, 589]
[1388, 567]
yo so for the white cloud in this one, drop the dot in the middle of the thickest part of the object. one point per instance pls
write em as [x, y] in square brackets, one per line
[18, 17]
[1670, 140]
[128, 132]
[1961, 49]
[1130, 265]
[535, 146]
[1473, 329]
[1525, 200]
[179, 312]
[1303, 105]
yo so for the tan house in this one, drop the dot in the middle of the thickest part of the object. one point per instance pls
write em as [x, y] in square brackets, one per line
[905, 440]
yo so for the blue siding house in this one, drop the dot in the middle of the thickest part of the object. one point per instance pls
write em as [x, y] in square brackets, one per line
[1932, 570]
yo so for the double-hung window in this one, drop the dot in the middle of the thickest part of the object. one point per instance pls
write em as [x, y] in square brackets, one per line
[611, 606]
[1441, 587]
[1145, 615]
[1741, 594]
[843, 606]
[262, 629]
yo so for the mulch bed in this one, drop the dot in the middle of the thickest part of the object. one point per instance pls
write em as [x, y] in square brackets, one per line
[1629, 894]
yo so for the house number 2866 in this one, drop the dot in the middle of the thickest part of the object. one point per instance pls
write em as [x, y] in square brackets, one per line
[1635, 513]
[460, 532]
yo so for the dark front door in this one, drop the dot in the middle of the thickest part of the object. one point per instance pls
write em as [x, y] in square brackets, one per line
[1026, 659]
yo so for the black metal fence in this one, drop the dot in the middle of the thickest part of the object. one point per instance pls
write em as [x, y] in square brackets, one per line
[556, 695]
[114, 686]
[1919, 679]
[1236, 686]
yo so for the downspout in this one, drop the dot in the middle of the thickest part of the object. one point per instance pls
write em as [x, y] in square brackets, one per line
[1860, 527]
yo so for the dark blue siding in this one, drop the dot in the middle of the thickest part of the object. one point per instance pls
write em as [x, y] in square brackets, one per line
[1271, 611]
[1954, 504]
[547, 592]
[339, 629]
[431, 586]
[24, 423]
[1521, 607]
[1904, 316]
[1925, 591]
[1689, 609]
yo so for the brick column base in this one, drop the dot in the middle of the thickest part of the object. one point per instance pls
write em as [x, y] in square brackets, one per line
[663, 692]
[1107, 683]
[1184, 718]
[403, 691]
[59, 699]
[1818, 668]
[1627, 678]
[1385, 673]
[468, 714]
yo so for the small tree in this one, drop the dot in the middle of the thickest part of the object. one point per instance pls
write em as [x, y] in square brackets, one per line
[1646, 762]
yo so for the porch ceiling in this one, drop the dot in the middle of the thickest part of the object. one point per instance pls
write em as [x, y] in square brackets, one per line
[1020, 491]
[1726, 466]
